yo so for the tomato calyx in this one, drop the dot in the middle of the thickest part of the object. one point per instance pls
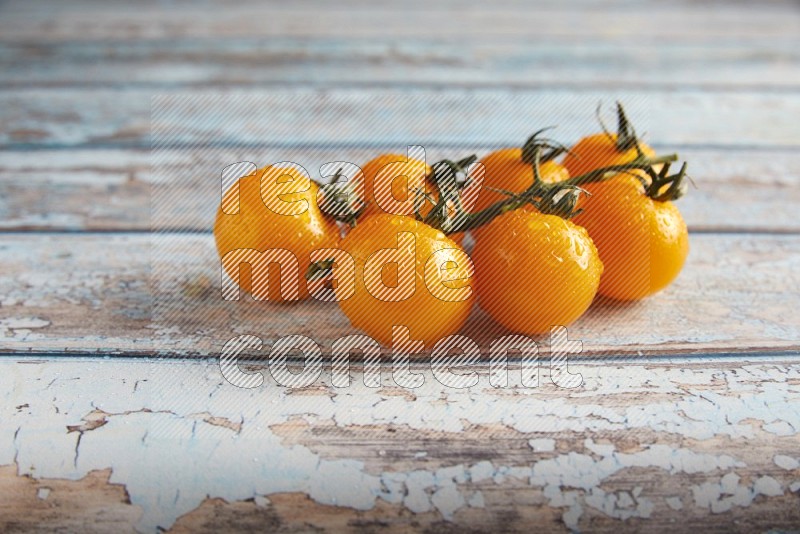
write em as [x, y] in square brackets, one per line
[626, 134]
[626, 138]
[663, 186]
[560, 198]
[339, 200]
[320, 269]
[450, 178]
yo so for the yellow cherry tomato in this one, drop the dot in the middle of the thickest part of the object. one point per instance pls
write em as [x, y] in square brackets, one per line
[405, 177]
[505, 169]
[397, 174]
[643, 243]
[600, 150]
[406, 274]
[535, 271]
[277, 211]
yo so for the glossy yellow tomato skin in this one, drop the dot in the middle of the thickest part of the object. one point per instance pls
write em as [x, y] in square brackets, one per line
[535, 271]
[256, 226]
[427, 317]
[643, 243]
[504, 169]
[378, 171]
[418, 179]
[600, 150]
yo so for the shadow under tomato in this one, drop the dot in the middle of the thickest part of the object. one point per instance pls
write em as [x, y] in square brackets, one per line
[602, 303]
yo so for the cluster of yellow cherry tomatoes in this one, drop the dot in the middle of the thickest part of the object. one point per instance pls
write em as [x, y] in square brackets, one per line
[552, 227]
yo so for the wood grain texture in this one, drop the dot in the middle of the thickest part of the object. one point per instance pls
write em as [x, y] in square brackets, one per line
[115, 445]
[703, 22]
[67, 118]
[688, 418]
[765, 64]
[124, 190]
[140, 294]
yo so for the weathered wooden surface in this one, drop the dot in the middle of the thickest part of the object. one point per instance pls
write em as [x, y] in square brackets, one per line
[79, 118]
[702, 22]
[430, 61]
[707, 442]
[160, 294]
[638, 446]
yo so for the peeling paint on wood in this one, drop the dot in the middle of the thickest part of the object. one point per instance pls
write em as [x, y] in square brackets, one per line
[637, 441]
[115, 445]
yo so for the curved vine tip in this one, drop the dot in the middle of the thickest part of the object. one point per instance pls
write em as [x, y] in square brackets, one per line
[534, 142]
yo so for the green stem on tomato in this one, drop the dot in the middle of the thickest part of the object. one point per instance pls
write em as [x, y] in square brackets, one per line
[556, 198]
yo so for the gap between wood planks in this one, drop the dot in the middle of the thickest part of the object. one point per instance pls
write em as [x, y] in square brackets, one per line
[683, 360]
